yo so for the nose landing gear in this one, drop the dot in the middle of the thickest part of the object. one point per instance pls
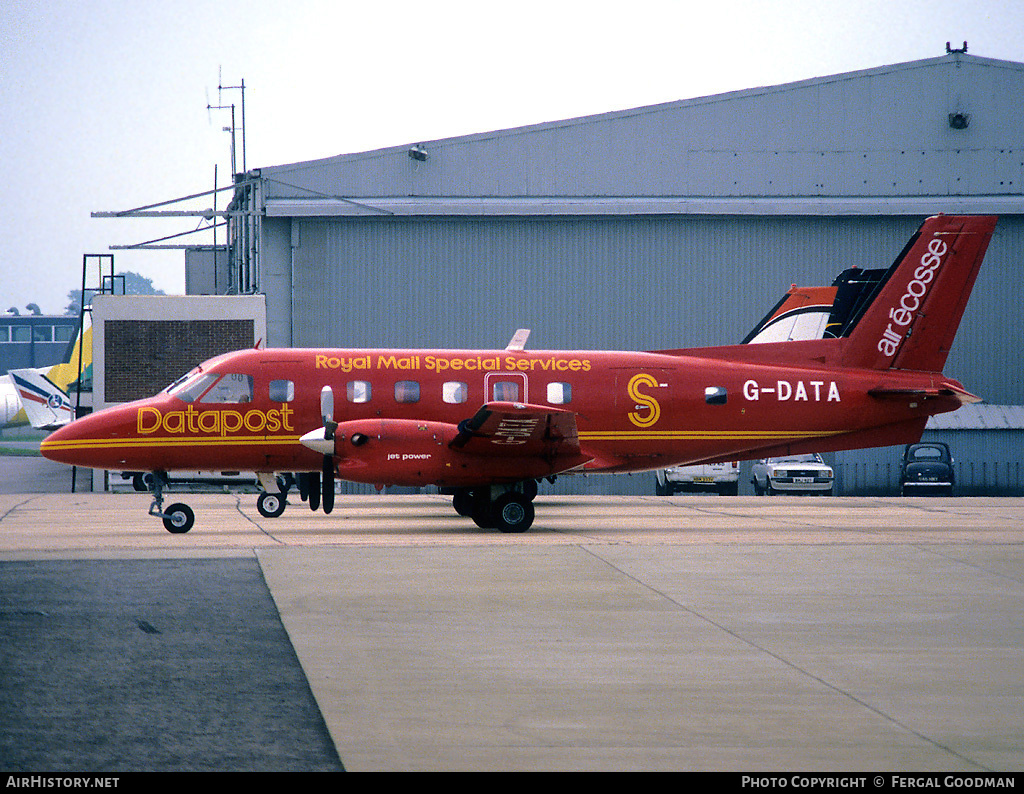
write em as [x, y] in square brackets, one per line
[178, 518]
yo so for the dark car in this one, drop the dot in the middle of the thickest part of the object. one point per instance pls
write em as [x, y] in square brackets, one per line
[926, 468]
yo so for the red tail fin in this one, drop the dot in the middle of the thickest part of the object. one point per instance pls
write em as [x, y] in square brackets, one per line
[911, 322]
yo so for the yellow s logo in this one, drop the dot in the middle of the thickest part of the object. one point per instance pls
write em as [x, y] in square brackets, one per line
[643, 401]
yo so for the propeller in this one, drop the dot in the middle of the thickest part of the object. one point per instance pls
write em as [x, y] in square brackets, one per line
[327, 414]
[321, 484]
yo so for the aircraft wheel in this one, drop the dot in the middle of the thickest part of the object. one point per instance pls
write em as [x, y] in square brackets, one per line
[481, 508]
[462, 501]
[179, 518]
[314, 491]
[530, 489]
[512, 513]
[270, 505]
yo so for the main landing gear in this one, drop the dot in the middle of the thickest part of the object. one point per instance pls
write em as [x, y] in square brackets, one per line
[507, 508]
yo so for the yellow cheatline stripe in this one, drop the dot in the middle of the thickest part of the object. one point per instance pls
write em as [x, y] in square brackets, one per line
[730, 435]
[191, 441]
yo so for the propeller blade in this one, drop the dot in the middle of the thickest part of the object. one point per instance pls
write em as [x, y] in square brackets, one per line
[327, 412]
[328, 484]
[314, 491]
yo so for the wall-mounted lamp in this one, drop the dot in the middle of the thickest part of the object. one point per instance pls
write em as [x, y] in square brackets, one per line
[418, 152]
[959, 121]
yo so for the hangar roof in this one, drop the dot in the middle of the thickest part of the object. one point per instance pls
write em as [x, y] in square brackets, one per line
[980, 416]
[888, 140]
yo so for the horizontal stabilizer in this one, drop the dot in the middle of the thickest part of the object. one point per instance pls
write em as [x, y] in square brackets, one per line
[961, 395]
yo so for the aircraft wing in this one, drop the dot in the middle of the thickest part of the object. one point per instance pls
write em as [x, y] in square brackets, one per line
[504, 429]
[46, 405]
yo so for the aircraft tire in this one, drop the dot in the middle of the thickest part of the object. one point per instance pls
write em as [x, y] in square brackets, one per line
[512, 513]
[302, 482]
[481, 508]
[462, 501]
[179, 518]
[314, 491]
[270, 505]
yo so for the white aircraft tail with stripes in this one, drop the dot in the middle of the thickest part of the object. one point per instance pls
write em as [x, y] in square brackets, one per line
[46, 405]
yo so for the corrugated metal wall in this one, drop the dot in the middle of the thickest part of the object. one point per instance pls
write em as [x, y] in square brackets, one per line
[606, 282]
[986, 463]
[615, 283]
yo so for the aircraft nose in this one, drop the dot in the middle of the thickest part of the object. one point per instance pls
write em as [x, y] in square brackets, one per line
[94, 441]
[66, 444]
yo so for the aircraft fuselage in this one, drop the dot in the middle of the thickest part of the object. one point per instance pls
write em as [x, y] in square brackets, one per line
[633, 412]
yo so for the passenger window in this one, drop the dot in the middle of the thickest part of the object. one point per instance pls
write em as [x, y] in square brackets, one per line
[455, 392]
[505, 391]
[715, 395]
[229, 389]
[282, 391]
[407, 391]
[358, 391]
[559, 393]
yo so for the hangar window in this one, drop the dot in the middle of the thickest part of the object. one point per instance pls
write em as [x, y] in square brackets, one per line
[559, 393]
[282, 391]
[407, 391]
[231, 388]
[358, 391]
[455, 392]
[715, 395]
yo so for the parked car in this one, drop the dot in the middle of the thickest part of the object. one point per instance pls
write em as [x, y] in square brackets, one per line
[927, 468]
[723, 478]
[805, 473]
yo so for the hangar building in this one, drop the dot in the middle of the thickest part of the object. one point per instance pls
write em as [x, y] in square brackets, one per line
[673, 225]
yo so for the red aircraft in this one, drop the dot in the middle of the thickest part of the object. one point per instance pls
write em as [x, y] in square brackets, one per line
[487, 426]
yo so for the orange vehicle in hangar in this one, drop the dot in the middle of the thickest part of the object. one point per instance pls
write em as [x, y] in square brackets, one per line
[487, 426]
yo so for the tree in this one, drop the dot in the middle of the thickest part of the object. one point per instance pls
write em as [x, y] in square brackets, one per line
[134, 284]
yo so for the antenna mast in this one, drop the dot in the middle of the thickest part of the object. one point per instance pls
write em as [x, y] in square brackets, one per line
[221, 88]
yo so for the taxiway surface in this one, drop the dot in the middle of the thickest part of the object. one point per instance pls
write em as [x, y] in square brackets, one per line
[620, 633]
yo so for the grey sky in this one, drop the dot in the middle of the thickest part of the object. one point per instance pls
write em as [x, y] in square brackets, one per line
[104, 103]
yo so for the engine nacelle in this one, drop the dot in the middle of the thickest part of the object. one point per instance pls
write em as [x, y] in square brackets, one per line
[416, 452]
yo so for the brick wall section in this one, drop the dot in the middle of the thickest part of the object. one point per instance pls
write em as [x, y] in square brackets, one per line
[144, 356]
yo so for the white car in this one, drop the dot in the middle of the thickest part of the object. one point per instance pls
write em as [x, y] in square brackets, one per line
[805, 473]
[721, 477]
